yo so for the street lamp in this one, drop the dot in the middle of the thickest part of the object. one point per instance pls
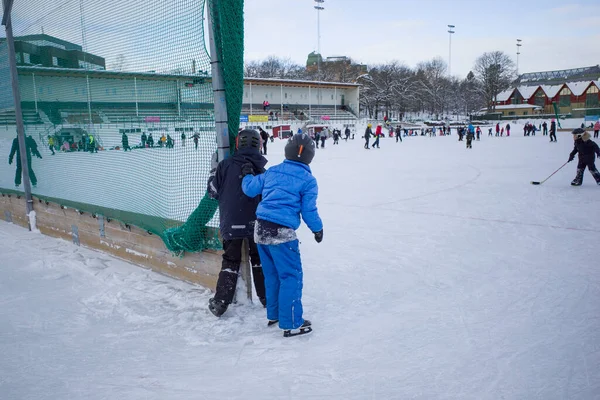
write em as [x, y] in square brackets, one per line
[319, 7]
[518, 52]
[450, 32]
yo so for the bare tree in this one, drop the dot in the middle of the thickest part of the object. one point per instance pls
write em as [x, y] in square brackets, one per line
[120, 63]
[495, 71]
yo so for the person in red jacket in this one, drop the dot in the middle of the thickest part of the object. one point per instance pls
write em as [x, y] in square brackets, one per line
[498, 129]
[378, 134]
[596, 128]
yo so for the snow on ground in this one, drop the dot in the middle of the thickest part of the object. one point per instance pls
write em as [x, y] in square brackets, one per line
[443, 274]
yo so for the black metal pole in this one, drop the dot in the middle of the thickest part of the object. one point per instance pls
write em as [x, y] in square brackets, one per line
[12, 60]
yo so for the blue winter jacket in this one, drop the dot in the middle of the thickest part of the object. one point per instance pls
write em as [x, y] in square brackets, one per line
[288, 190]
[471, 129]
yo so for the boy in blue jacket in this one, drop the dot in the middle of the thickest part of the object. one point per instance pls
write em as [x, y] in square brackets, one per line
[288, 190]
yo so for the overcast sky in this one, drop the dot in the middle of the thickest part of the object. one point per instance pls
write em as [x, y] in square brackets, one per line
[556, 34]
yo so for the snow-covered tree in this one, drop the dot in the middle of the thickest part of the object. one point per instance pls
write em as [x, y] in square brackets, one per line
[495, 71]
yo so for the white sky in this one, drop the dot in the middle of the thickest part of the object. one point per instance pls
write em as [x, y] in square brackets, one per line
[556, 34]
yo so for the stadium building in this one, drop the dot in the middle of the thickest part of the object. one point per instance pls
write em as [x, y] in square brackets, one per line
[64, 95]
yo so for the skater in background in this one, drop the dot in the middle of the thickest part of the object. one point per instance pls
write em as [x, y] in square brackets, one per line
[336, 136]
[237, 218]
[544, 129]
[325, 134]
[318, 137]
[398, 134]
[507, 130]
[378, 134]
[125, 142]
[144, 139]
[289, 191]
[92, 144]
[596, 129]
[470, 136]
[183, 139]
[347, 133]
[51, 143]
[498, 129]
[588, 150]
[368, 134]
[196, 137]
[30, 149]
[265, 138]
[553, 130]
[170, 142]
[150, 140]
[478, 132]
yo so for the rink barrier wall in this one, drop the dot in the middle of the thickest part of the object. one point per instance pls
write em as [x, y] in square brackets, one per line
[110, 235]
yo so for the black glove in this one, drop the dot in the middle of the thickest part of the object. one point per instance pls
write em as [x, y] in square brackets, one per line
[571, 158]
[9, 161]
[319, 236]
[247, 169]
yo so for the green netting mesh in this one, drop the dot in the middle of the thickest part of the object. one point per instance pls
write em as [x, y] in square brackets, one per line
[228, 17]
[117, 96]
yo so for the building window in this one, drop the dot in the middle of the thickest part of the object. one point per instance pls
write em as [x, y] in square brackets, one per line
[511, 113]
[286, 95]
[525, 113]
[114, 92]
[331, 97]
[591, 98]
[55, 61]
[76, 91]
[540, 98]
[26, 58]
[19, 58]
[517, 98]
[565, 98]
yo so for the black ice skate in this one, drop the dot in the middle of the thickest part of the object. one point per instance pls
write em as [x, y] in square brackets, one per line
[302, 330]
[272, 322]
[578, 178]
[217, 307]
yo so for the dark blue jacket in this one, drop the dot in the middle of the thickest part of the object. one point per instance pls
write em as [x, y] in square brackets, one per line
[237, 211]
[288, 190]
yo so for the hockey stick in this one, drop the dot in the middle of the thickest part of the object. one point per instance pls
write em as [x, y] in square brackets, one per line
[539, 183]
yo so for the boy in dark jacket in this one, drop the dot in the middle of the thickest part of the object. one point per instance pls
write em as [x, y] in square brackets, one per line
[237, 218]
[288, 191]
[588, 150]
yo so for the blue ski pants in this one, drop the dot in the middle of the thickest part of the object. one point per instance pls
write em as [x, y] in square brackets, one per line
[282, 268]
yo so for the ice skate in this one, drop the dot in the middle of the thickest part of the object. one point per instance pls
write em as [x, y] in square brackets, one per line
[217, 307]
[578, 178]
[272, 322]
[301, 330]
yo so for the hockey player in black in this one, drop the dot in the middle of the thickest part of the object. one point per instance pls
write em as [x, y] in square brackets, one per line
[238, 216]
[587, 150]
[31, 149]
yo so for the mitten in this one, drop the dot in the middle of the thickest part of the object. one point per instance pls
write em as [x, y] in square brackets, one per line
[247, 169]
[319, 236]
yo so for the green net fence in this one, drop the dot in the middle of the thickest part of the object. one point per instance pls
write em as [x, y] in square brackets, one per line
[117, 98]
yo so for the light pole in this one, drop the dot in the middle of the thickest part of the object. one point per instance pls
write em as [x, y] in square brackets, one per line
[319, 7]
[450, 32]
[518, 52]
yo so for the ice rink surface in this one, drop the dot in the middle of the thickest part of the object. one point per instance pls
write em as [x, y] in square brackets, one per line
[443, 274]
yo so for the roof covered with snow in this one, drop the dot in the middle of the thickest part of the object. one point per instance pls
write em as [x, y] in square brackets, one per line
[552, 90]
[505, 95]
[527, 91]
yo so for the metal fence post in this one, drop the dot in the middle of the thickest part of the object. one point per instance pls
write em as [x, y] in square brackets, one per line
[12, 60]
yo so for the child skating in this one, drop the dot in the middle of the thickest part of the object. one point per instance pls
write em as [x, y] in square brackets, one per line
[587, 150]
[288, 191]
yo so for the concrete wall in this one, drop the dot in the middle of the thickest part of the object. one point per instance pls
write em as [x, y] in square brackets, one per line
[128, 243]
